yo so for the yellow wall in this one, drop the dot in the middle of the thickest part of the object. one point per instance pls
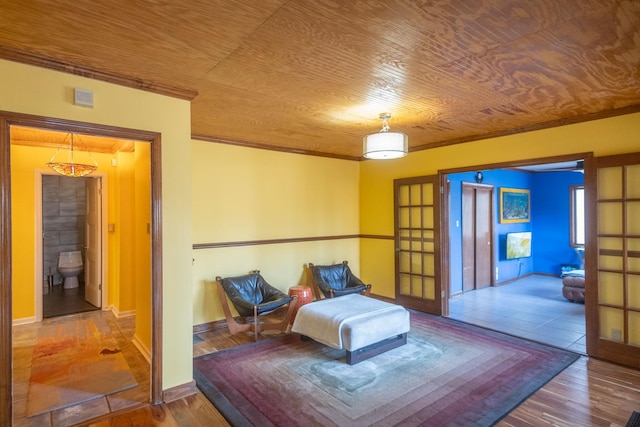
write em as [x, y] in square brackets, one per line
[121, 259]
[113, 240]
[126, 259]
[24, 163]
[32, 90]
[243, 194]
[142, 242]
[602, 137]
[259, 199]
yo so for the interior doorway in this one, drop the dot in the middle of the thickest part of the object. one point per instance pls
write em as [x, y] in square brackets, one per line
[7, 235]
[477, 236]
[523, 296]
[70, 214]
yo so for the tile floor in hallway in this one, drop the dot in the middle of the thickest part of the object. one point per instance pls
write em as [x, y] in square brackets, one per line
[24, 340]
[532, 307]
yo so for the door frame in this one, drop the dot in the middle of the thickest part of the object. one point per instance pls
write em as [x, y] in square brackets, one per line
[445, 208]
[39, 248]
[8, 119]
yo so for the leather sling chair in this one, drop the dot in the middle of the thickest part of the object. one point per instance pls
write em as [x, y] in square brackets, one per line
[337, 280]
[253, 297]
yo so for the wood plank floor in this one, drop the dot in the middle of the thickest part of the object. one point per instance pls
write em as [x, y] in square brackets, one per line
[588, 393]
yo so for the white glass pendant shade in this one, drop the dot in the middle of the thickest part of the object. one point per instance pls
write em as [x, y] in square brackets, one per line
[385, 145]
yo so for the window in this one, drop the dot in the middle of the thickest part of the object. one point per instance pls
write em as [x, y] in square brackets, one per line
[577, 216]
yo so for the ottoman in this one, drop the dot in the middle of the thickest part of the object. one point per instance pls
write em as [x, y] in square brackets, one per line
[573, 286]
[363, 326]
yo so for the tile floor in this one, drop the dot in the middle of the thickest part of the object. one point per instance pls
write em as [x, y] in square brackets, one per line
[24, 339]
[532, 308]
[60, 302]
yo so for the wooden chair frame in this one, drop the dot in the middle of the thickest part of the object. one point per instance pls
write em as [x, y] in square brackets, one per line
[252, 323]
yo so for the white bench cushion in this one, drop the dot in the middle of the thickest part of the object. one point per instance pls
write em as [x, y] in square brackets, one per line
[351, 321]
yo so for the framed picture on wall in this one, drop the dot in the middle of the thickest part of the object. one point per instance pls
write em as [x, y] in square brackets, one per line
[514, 205]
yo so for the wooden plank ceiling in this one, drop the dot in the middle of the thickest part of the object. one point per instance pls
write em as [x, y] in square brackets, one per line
[313, 75]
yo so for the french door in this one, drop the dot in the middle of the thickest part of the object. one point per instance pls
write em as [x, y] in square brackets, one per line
[613, 259]
[417, 245]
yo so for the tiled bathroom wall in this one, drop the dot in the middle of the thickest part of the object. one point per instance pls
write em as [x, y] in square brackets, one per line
[63, 221]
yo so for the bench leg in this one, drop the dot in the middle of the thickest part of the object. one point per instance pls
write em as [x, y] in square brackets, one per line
[374, 349]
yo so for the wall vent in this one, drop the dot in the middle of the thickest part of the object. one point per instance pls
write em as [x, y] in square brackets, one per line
[83, 97]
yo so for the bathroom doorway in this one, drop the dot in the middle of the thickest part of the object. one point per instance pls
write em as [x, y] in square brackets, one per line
[25, 206]
[71, 221]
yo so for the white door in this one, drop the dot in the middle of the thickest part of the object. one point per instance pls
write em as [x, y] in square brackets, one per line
[93, 262]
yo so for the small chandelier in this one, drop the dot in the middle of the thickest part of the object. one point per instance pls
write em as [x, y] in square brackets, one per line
[70, 167]
[385, 144]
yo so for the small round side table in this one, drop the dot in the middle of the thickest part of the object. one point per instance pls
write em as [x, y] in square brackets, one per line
[304, 297]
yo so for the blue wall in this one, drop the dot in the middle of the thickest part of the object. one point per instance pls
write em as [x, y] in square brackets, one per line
[551, 244]
[549, 222]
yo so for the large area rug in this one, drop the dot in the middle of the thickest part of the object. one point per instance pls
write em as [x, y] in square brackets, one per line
[75, 361]
[448, 374]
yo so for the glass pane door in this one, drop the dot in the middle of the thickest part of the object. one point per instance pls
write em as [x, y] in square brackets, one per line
[613, 269]
[417, 249]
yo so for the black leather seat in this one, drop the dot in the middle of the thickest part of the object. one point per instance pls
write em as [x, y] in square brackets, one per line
[252, 296]
[337, 280]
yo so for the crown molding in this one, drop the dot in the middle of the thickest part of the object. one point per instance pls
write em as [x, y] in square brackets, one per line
[247, 144]
[43, 61]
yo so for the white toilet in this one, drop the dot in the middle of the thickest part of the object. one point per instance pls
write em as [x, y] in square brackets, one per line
[70, 266]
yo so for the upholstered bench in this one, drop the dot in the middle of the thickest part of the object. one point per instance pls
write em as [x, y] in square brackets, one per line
[573, 286]
[363, 326]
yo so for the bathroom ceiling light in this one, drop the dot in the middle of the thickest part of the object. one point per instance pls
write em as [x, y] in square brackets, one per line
[70, 167]
[385, 144]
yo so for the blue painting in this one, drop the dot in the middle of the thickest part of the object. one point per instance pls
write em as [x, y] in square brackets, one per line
[514, 205]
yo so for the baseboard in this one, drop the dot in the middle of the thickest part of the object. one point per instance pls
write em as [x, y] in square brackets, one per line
[146, 353]
[545, 274]
[515, 279]
[24, 321]
[178, 392]
[120, 314]
[210, 326]
[385, 299]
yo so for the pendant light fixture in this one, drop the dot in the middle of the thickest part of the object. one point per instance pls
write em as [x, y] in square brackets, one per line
[385, 144]
[70, 167]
